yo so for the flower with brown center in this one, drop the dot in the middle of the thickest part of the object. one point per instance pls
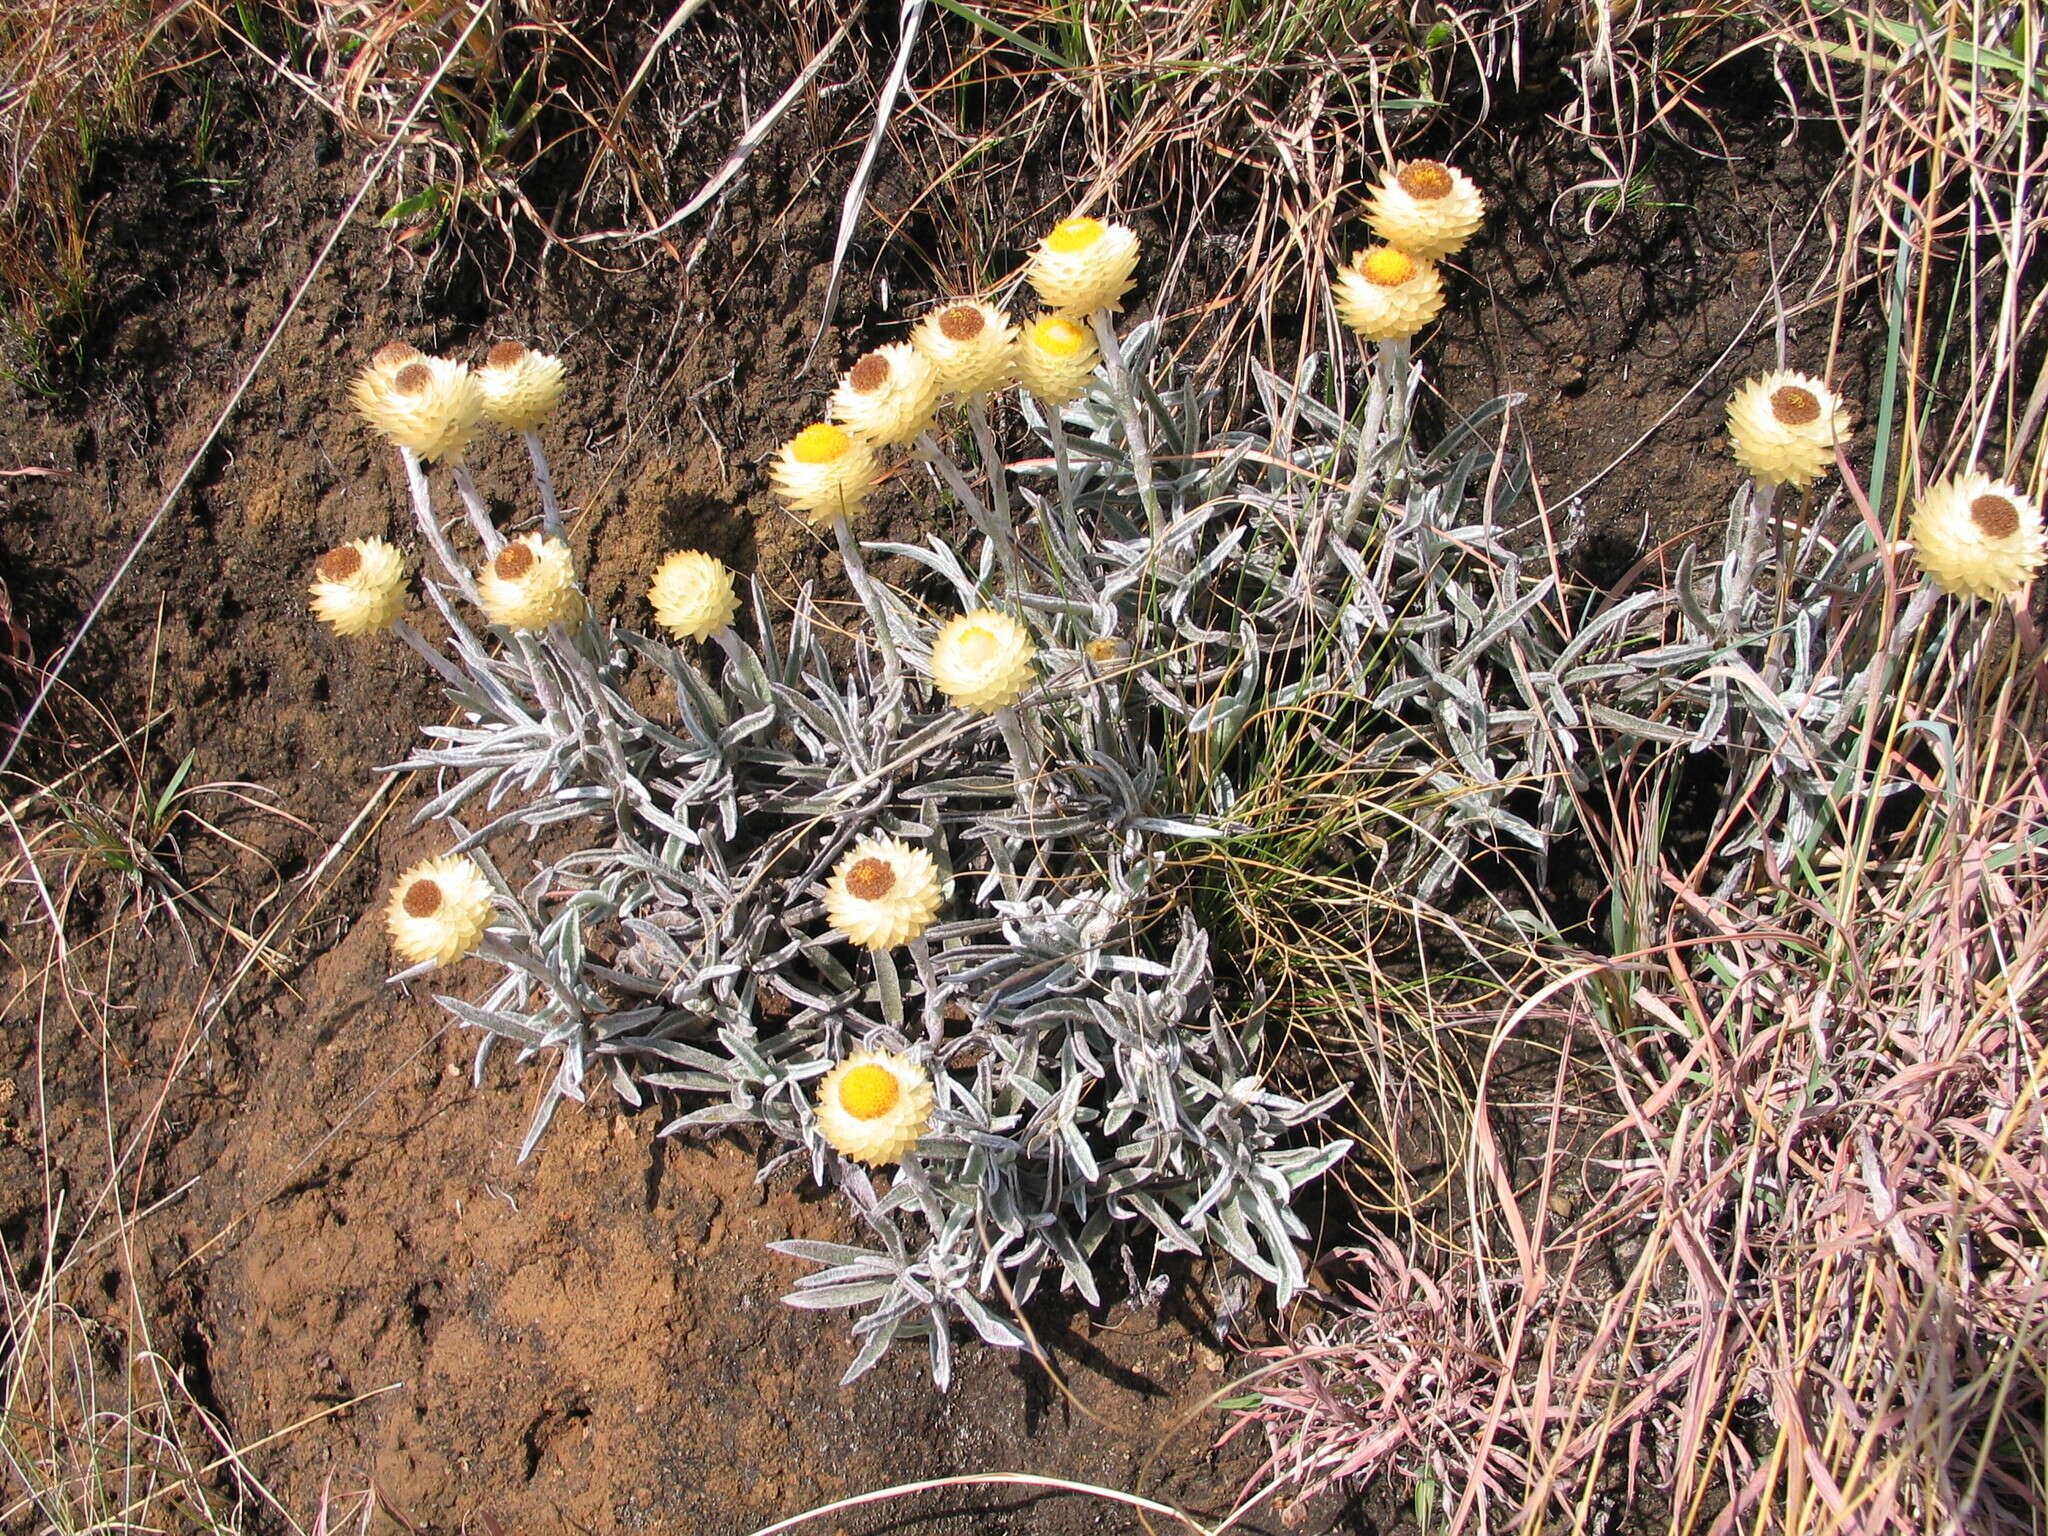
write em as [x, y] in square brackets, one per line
[1056, 360]
[1784, 427]
[521, 387]
[439, 910]
[1388, 295]
[883, 893]
[427, 404]
[530, 584]
[887, 396]
[693, 595]
[971, 346]
[982, 660]
[359, 587]
[824, 472]
[1978, 537]
[1084, 266]
[1426, 208]
[874, 1106]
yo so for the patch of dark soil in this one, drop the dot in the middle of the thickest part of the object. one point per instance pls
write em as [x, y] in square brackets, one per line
[590, 1340]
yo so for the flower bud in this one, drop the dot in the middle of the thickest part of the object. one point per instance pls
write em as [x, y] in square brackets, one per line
[1084, 266]
[427, 404]
[1426, 208]
[530, 584]
[982, 660]
[883, 894]
[874, 1106]
[824, 472]
[693, 595]
[1056, 360]
[1388, 295]
[1978, 536]
[439, 910]
[887, 396]
[1784, 427]
[359, 587]
[521, 387]
[972, 347]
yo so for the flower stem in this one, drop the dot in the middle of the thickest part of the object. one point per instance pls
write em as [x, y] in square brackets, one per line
[870, 596]
[550, 508]
[1001, 530]
[1135, 428]
[450, 673]
[430, 525]
[479, 514]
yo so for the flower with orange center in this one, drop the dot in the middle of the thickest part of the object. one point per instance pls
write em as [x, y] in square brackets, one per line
[971, 346]
[1056, 360]
[1084, 266]
[887, 396]
[1978, 537]
[982, 660]
[1388, 295]
[427, 404]
[1784, 427]
[359, 587]
[521, 386]
[883, 893]
[1426, 208]
[439, 910]
[874, 1106]
[824, 472]
[530, 584]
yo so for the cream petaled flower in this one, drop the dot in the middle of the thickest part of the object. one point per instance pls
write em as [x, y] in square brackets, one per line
[1084, 266]
[887, 396]
[1785, 426]
[359, 587]
[982, 660]
[883, 893]
[1426, 208]
[427, 404]
[693, 595]
[1056, 359]
[824, 472]
[389, 358]
[874, 1106]
[439, 910]
[521, 386]
[1978, 536]
[972, 346]
[1388, 295]
[530, 584]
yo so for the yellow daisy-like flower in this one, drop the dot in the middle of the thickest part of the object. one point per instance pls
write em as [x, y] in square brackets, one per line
[982, 660]
[1084, 266]
[1056, 360]
[971, 346]
[887, 397]
[359, 587]
[530, 584]
[824, 472]
[883, 893]
[1785, 426]
[1388, 295]
[1978, 536]
[874, 1106]
[1426, 208]
[521, 386]
[693, 595]
[439, 910]
[427, 404]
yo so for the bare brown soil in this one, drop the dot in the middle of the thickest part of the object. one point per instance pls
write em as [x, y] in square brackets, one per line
[590, 1341]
